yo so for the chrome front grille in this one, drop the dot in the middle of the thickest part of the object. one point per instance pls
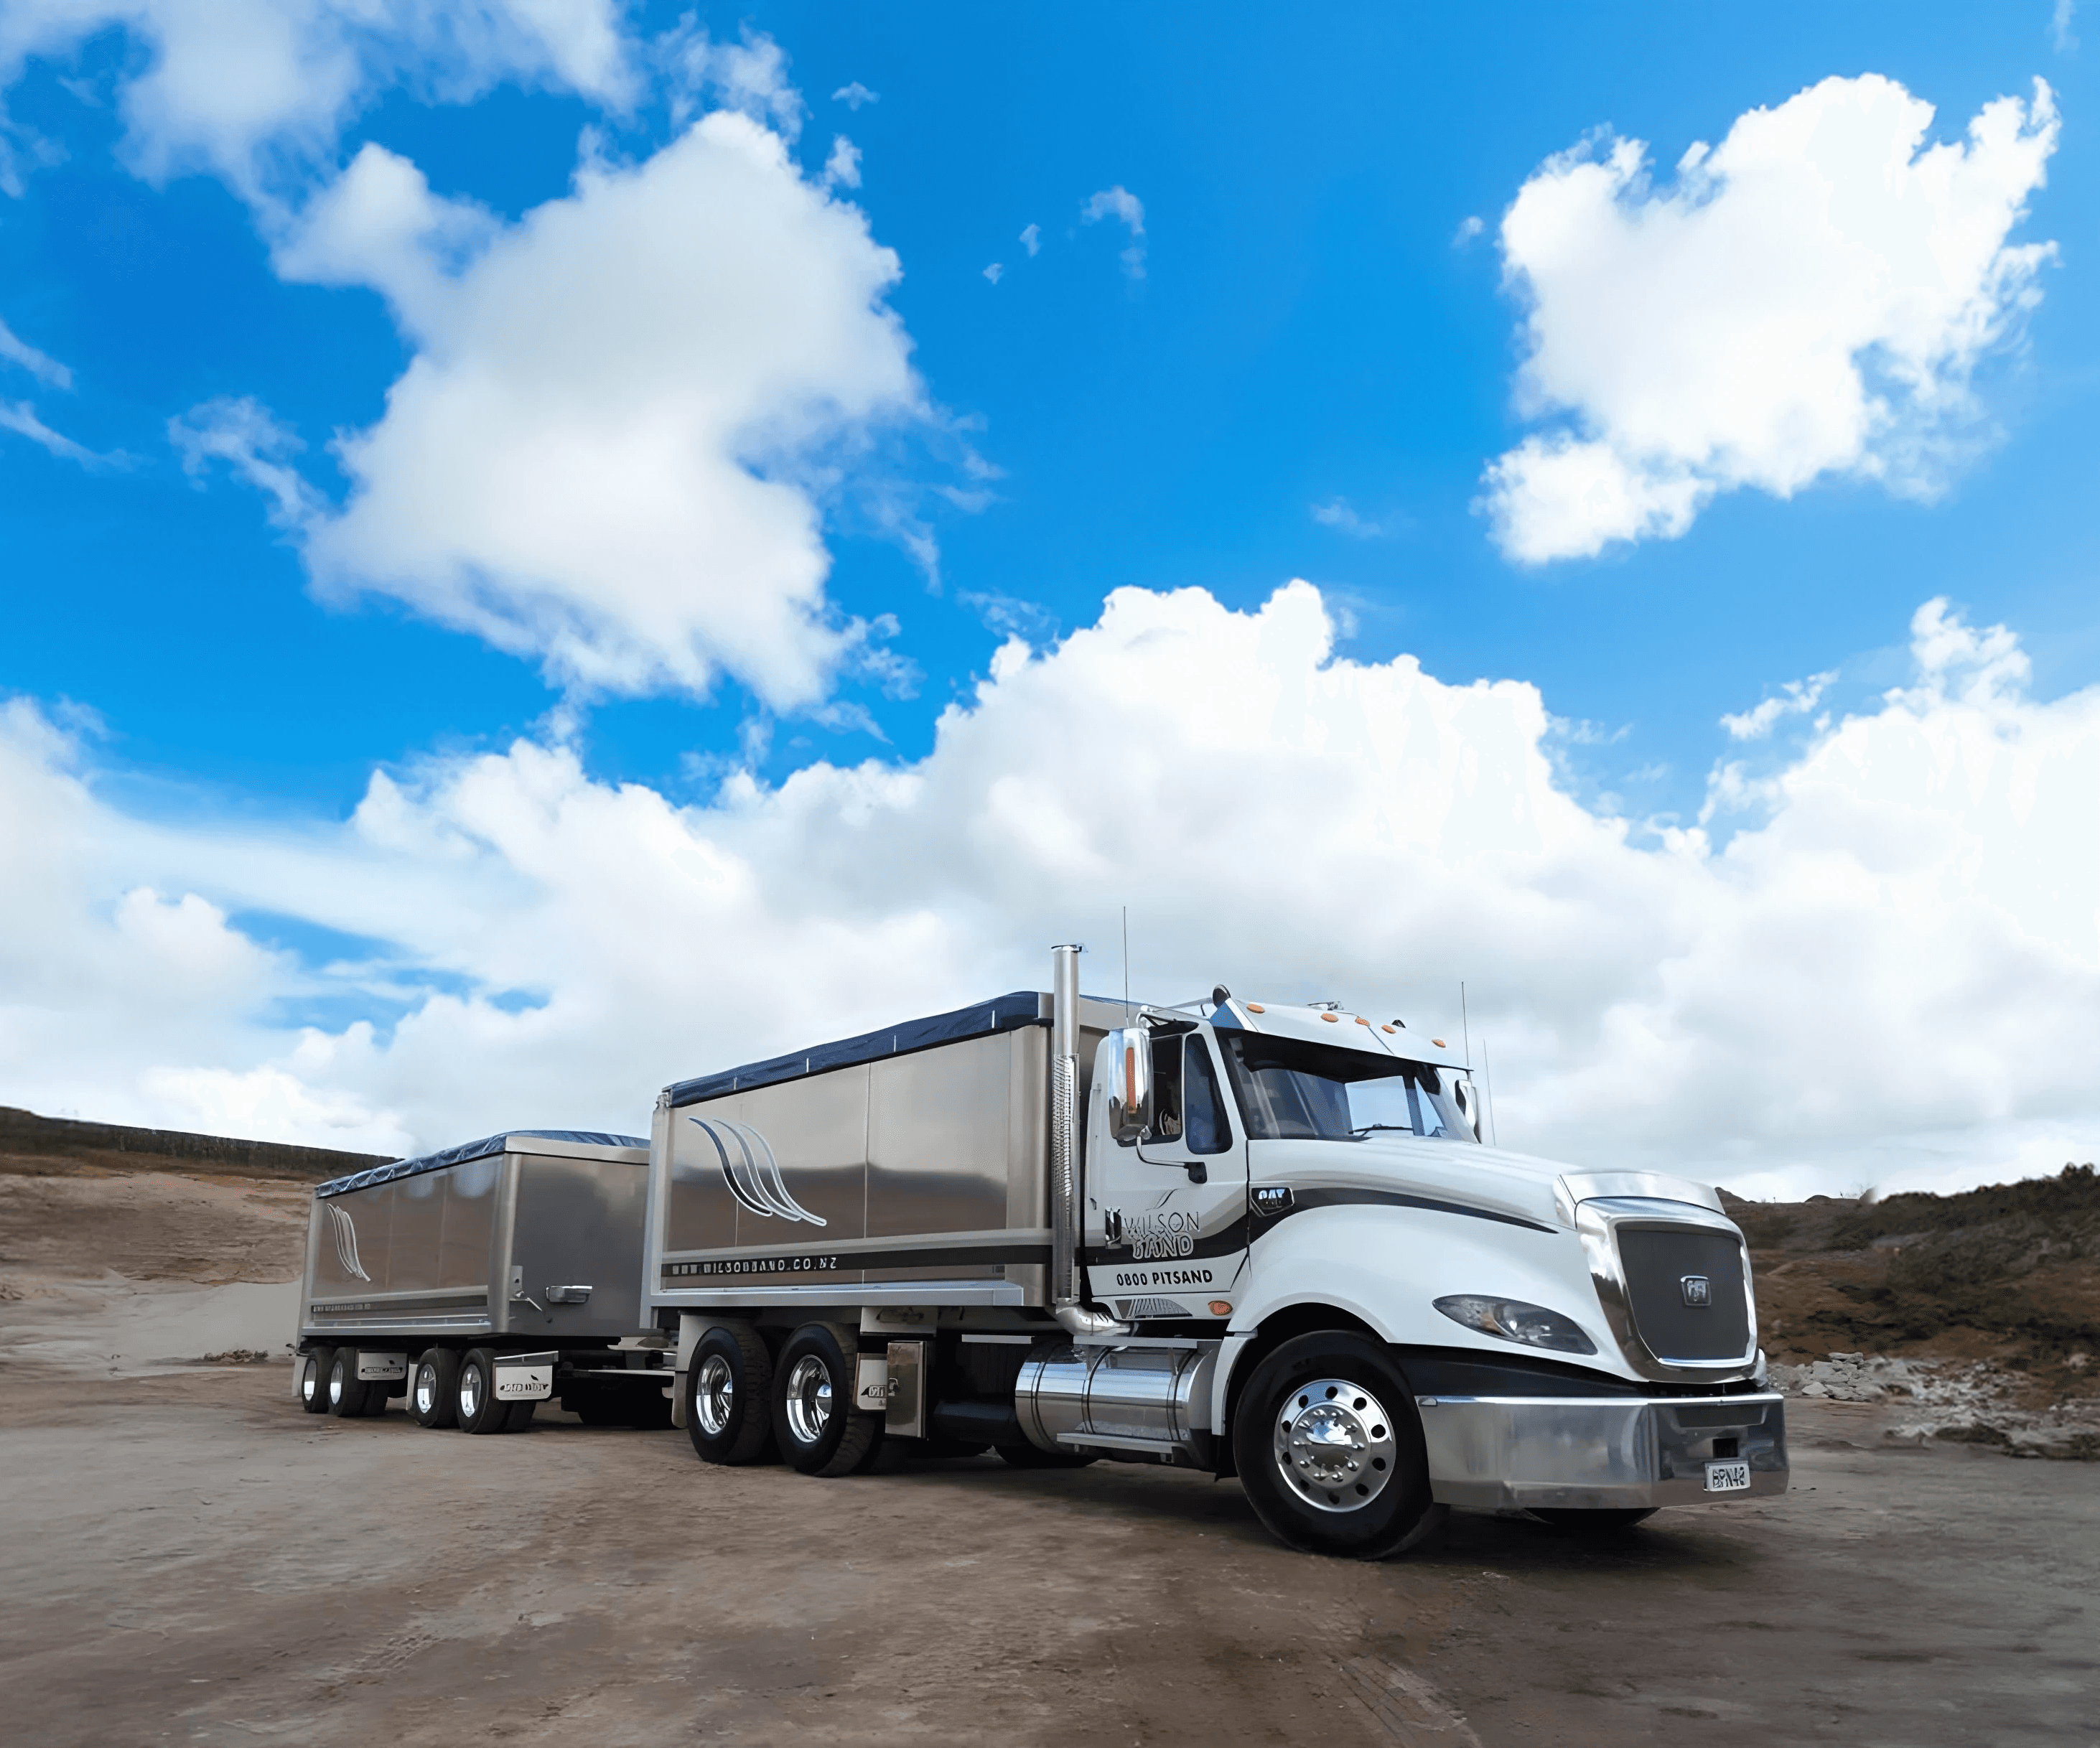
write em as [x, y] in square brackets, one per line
[1684, 1288]
[1673, 1282]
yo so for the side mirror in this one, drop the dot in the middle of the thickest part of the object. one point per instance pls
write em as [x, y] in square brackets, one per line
[1129, 1053]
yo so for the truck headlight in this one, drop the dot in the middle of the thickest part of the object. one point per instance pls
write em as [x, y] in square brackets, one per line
[1513, 1320]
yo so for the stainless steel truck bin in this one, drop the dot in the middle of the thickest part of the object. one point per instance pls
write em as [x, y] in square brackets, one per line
[482, 1280]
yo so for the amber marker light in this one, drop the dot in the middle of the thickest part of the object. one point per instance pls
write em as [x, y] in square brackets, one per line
[1332, 1019]
[1255, 1007]
[1361, 1021]
[1385, 1028]
[1221, 1308]
[1440, 1043]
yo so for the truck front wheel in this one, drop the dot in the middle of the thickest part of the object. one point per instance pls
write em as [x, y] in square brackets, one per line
[820, 1429]
[1329, 1450]
[729, 1389]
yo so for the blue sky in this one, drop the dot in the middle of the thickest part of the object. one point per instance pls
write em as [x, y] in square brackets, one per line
[1306, 332]
[1301, 361]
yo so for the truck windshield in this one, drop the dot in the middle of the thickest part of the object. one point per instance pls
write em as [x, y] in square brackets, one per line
[1290, 1091]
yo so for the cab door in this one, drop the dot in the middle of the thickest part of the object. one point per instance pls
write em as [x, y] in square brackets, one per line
[1167, 1221]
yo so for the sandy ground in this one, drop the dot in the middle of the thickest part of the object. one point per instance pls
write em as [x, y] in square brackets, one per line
[185, 1557]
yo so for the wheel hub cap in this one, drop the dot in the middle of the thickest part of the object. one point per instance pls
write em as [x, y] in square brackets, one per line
[809, 1399]
[1334, 1446]
[714, 1398]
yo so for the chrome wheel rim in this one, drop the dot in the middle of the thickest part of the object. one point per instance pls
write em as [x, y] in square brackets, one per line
[469, 1392]
[426, 1389]
[1334, 1446]
[310, 1379]
[714, 1396]
[335, 1384]
[809, 1399]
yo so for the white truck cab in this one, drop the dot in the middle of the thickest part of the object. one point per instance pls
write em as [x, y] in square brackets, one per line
[1527, 1336]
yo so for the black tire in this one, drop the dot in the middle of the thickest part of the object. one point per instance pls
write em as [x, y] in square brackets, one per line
[1608, 1522]
[1036, 1456]
[520, 1417]
[349, 1397]
[818, 1425]
[729, 1395]
[474, 1406]
[434, 1388]
[313, 1380]
[1330, 1451]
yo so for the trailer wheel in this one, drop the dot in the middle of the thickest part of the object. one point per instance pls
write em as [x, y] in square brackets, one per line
[474, 1406]
[434, 1388]
[820, 1429]
[520, 1417]
[349, 1396]
[1329, 1450]
[1608, 1521]
[313, 1380]
[729, 1391]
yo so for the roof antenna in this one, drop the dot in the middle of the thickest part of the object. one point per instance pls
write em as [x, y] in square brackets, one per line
[1465, 1032]
[1487, 1075]
[1126, 961]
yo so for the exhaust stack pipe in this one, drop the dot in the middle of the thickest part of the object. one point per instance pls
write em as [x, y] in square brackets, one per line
[1066, 1215]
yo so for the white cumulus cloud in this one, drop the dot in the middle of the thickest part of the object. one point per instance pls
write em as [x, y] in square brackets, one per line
[1810, 298]
[842, 167]
[253, 90]
[1794, 698]
[1896, 979]
[19, 352]
[1120, 204]
[607, 451]
[246, 436]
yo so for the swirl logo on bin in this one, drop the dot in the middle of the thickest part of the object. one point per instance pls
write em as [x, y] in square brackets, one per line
[751, 1171]
[344, 1229]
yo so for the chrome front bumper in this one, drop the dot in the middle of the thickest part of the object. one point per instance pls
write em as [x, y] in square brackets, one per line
[1597, 1453]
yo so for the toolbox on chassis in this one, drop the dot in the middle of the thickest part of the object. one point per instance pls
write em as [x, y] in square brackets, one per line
[1252, 1238]
[481, 1281]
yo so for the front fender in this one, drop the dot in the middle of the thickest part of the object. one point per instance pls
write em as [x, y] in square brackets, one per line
[1387, 1266]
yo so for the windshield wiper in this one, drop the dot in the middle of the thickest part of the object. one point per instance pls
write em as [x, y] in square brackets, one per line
[1398, 1129]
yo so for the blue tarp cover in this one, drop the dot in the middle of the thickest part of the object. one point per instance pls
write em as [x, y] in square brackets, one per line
[487, 1146]
[1003, 1013]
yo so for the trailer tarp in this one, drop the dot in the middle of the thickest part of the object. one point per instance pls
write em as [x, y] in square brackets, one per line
[1003, 1013]
[487, 1146]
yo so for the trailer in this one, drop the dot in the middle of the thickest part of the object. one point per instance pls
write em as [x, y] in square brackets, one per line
[481, 1281]
[1253, 1238]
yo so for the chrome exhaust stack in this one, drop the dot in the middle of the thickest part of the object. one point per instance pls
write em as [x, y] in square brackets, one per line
[1065, 1216]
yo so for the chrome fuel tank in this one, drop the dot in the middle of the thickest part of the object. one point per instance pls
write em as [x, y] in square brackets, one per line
[1139, 1400]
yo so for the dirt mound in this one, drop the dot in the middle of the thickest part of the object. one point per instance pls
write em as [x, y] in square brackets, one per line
[2009, 1274]
[34, 1146]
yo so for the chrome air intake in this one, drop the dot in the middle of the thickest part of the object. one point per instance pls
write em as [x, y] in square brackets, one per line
[1136, 1400]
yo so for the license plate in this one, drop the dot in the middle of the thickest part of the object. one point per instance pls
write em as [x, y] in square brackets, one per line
[1727, 1477]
